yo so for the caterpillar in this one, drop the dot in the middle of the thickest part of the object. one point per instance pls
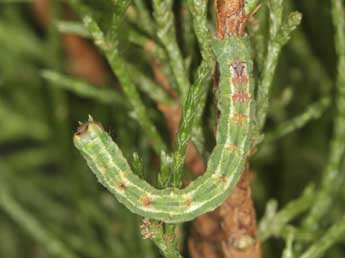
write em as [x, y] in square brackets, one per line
[226, 162]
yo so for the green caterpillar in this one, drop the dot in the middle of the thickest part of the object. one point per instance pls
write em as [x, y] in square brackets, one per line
[226, 163]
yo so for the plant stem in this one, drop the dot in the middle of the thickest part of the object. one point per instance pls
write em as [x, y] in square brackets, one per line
[164, 17]
[335, 233]
[195, 102]
[122, 71]
[280, 31]
[163, 235]
[145, 18]
[83, 88]
[331, 178]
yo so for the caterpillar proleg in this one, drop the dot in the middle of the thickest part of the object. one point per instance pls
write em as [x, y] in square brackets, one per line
[225, 165]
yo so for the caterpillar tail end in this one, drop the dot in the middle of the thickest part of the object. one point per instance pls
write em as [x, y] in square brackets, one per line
[86, 132]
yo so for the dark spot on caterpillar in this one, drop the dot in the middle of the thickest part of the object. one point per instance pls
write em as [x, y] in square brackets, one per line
[146, 201]
[240, 97]
[122, 186]
[189, 202]
[223, 179]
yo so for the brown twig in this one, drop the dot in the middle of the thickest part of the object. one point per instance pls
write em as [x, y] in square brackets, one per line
[172, 114]
[230, 16]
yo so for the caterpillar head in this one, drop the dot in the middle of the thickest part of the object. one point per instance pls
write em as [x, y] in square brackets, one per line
[86, 132]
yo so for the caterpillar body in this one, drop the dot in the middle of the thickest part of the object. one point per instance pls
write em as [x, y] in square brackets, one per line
[225, 165]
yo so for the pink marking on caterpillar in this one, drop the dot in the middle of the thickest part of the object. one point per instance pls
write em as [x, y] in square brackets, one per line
[239, 74]
[239, 119]
[146, 201]
[240, 97]
[233, 149]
